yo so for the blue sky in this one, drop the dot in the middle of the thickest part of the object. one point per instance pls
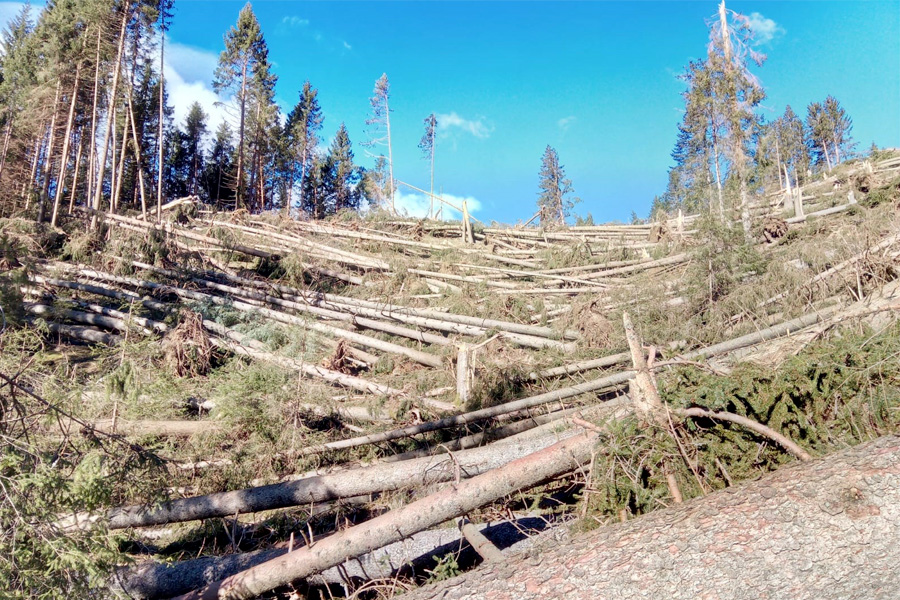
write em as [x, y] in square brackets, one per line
[595, 80]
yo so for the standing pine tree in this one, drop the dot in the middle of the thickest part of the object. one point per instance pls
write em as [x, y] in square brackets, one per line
[737, 93]
[427, 146]
[380, 124]
[554, 202]
[828, 132]
[301, 133]
[215, 177]
[344, 176]
[239, 63]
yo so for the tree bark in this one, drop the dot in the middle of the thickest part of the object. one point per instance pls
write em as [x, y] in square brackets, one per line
[822, 530]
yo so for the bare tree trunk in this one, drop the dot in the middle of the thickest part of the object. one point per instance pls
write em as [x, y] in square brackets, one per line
[48, 158]
[7, 134]
[64, 161]
[93, 141]
[121, 169]
[161, 140]
[431, 197]
[721, 196]
[137, 158]
[240, 162]
[822, 530]
[432, 510]
[28, 186]
[745, 206]
[111, 112]
[78, 153]
[778, 163]
[827, 155]
[387, 120]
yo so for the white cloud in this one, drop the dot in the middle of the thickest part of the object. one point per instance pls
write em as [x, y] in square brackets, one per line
[446, 123]
[566, 122]
[189, 73]
[193, 64]
[295, 21]
[764, 29]
[417, 205]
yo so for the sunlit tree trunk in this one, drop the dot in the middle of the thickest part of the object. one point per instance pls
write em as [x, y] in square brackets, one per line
[92, 167]
[161, 142]
[48, 158]
[111, 112]
[78, 154]
[64, 161]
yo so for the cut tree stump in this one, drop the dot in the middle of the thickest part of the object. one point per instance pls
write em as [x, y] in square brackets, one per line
[821, 530]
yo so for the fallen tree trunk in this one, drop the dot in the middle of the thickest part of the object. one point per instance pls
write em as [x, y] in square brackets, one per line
[325, 488]
[410, 555]
[822, 530]
[42, 310]
[146, 427]
[86, 334]
[395, 525]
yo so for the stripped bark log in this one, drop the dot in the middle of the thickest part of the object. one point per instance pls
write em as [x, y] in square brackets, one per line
[451, 502]
[100, 291]
[324, 488]
[87, 334]
[831, 526]
[164, 580]
[42, 310]
[145, 427]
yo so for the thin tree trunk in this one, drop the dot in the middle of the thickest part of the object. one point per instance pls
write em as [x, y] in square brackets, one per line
[137, 158]
[745, 206]
[7, 134]
[64, 161]
[114, 167]
[78, 153]
[431, 197]
[93, 141]
[121, 169]
[28, 186]
[161, 142]
[111, 112]
[721, 197]
[387, 120]
[240, 164]
[778, 163]
[48, 158]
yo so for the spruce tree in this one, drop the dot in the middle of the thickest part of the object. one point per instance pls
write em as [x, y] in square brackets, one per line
[380, 128]
[239, 63]
[426, 144]
[554, 202]
[301, 133]
[217, 175]
[343, 175]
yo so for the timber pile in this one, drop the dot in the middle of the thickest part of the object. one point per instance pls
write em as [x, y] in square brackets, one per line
[457, 374]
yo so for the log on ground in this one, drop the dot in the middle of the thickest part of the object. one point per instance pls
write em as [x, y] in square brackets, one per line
[825, 529]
